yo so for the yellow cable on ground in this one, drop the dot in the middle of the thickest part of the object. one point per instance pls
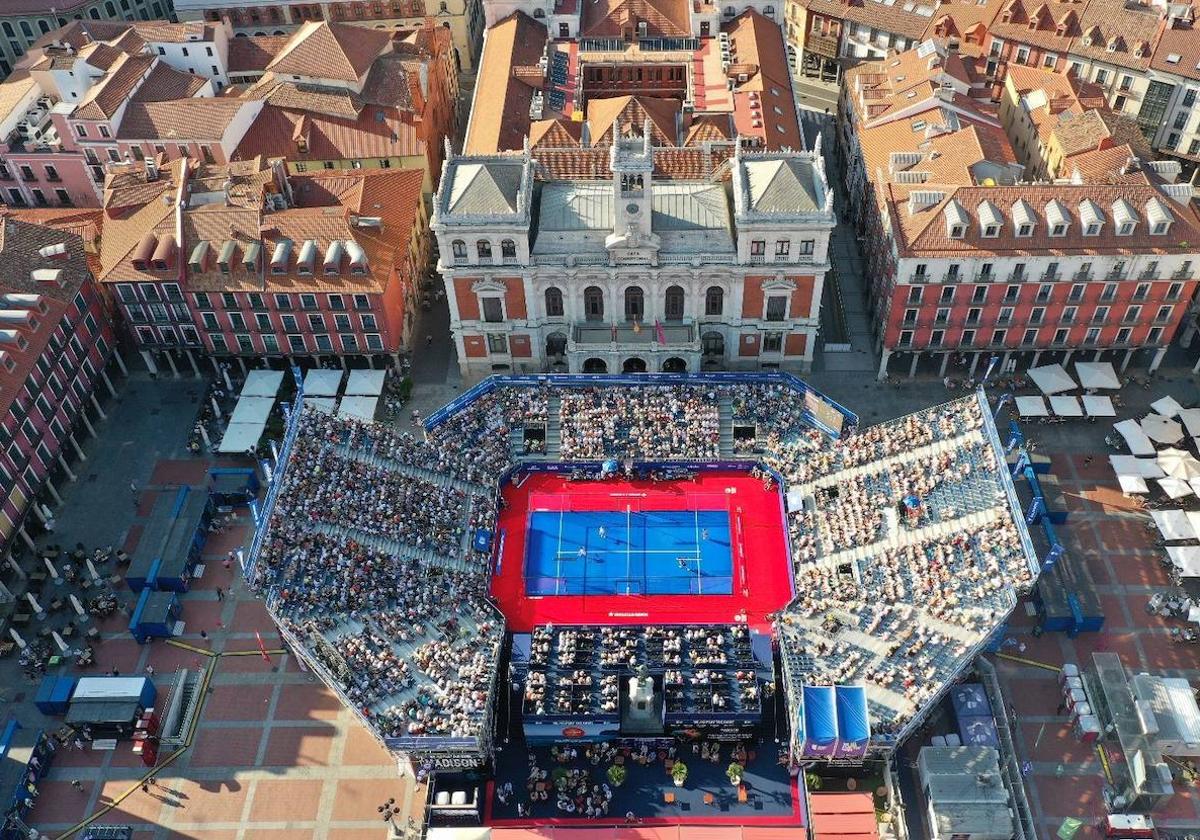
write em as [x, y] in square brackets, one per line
[193, 648]
[1033, 662]
[1104, 762]
[187, 743]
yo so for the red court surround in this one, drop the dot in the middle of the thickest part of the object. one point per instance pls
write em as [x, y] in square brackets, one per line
[761, 568]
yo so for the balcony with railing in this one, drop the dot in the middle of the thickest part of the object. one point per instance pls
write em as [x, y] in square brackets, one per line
[631, 335]
[1081, 276]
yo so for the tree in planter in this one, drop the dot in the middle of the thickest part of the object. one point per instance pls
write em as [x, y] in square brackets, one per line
[812, 781]
[734, 772]
[679, 773]
[616, 775]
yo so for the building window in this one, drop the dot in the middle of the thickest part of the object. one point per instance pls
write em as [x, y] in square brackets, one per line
[772, 342]
[593, 303]
[484, 249]
[554, 302]
[758, 247]
[782, 247]
[673, 303]
[508, 250]
[493, 309]
[776, 308]
[635, 304]
[999, 337]
[459, 249]
[497, 344]
[714, 301]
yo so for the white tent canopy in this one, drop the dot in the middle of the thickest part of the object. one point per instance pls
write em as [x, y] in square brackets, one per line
[252, 410]
[1099, 407]
[326, 404]
[1052, 379]
[241, 436]
[262, 383]
[1167, 406]
[1128, 465]
[1132, 484]
[1135, 438]
[322, 383]
[1190, 417]
[358, 408]
[1097, 375]
[365, 383]
[1066, 406]
[1031, 406]
[1174, 525]
[1186, 558]
[1162, 429]
[1178, 463]
[1175, 488]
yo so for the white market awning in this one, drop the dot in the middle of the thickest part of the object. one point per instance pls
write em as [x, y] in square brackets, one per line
[358, 408]
[365, 383]
[1178, 463]
[1129, 465]
[1031, 406]
[322, 383]
[1167, 407]
[1190, 417]
[1135, 438]
[1174, 525]
[1099, 407]
[262, 383]
[1066, 406]
[1097, 376]
[252, 410]
[325, 404]
[240, 437]
[1186, 558]
[1175, 488]
[1132, 484]
[1052, 379]
[1162, 429]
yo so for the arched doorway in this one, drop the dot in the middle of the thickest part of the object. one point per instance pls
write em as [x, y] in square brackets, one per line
[712, 345]
[556, 344]
[595, 365]
[674, 365]
[634, 364]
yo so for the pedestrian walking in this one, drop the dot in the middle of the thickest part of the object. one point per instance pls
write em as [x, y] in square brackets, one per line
[78, 785]
[228, 561]
[153, 780]
[145, 787]
[220, 594]
[149, 670]
[133, 487]
[1087, 462]
[204, 635]
[1062, 706]
[428, 339]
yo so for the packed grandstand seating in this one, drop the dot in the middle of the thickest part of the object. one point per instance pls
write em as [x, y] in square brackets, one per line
[904, 548]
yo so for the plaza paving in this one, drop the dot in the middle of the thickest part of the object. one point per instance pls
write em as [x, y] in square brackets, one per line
[274, 754]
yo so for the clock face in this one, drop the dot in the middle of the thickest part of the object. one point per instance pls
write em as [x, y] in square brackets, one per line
[632, 209]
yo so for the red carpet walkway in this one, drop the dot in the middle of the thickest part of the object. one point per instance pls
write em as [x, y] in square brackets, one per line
[762, 569]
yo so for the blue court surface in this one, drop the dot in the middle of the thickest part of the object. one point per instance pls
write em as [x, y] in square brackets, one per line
[677, 552]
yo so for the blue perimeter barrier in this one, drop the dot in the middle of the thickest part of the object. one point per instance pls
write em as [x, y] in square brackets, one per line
[571, 380]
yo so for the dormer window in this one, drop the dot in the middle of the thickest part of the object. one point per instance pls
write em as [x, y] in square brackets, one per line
[957, 231]
[1024, 230]
[991, 231]
[1160, 228]
[1058, 230]
[1125, 229]
[1092, 229]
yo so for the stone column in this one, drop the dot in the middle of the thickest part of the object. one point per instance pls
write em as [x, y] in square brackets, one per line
[96, 405]
[62, 462]
[1158, 357]
[1126, 360]
[78, 449]
[120, 363]
[945, 361]
[108, 384]
[148, 358]
[191, 357]
[87, 424]
[170, 354]
[884, 356]
[53, 492]
[912, 369]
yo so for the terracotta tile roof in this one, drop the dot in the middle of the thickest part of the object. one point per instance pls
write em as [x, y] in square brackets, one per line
[393, 82]
[14, 90]
[1178, 51]
[1013, 23]
[100, 55]
[107, 96]
[1127, 28]
[330, 51]
[500, 109]
[967, 20]
[165, 32]
[622, 115]
[275, 132]
[925, 231]
[766, 95]
[1095, 129]
[123, 232]
[614, 17]
[180, 119]
[889, 18]
[317, 99]
[708, 127]
[903, 85]
[553, 133]
[253, 54]
[165, 82]
[1109, 165]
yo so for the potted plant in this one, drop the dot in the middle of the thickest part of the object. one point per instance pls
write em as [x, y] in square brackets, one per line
[734, 772]
[679, 773]
[616, 775]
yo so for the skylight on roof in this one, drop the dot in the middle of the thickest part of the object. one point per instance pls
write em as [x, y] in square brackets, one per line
[1173, 58]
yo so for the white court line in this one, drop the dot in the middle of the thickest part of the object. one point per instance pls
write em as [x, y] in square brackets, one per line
[558, 562]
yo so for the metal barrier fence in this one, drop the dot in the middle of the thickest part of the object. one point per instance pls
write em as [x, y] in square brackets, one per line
[276, 473]
[819, 411]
